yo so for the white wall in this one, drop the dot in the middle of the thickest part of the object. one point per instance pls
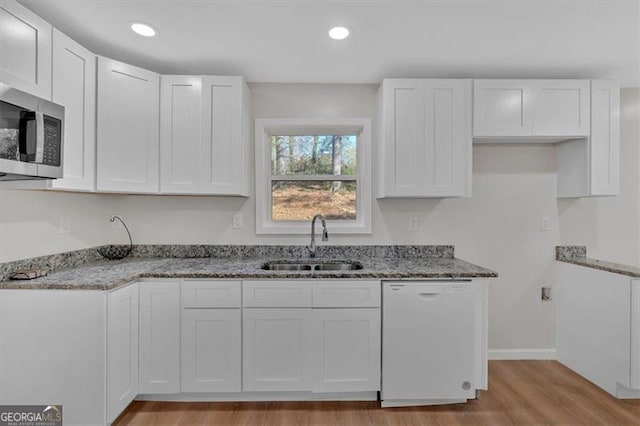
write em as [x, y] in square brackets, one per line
[499, 227]
[30, 222]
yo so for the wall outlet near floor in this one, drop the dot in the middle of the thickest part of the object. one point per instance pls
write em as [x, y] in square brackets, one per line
[64, 226]
[545, 294]
[413, 224]
[237, 221]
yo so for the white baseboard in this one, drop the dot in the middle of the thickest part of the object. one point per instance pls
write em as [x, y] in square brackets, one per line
[514, 354]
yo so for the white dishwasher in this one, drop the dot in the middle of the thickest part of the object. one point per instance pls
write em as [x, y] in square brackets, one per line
[428, 342]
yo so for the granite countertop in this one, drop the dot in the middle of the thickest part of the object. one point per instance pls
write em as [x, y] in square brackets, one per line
[108, 275]
[577, 255]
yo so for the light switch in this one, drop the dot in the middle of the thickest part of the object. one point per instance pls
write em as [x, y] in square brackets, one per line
[65, 225]
[545, 223]
[237, 221]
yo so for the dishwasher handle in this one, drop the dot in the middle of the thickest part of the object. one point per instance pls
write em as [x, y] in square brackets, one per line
[429, 295]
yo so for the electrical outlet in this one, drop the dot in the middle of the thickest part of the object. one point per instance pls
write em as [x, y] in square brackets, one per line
[545, 223]
[64, 226]
[237, 221]
[545, 294]
[413, 223]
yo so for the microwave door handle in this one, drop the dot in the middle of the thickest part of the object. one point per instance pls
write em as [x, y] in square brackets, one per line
[39, 137]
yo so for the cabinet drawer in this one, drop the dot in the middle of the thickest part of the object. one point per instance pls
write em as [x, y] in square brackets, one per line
[346, 294]
[211, 294]
[277, 294]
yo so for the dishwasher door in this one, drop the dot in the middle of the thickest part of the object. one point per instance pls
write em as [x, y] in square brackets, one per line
[428, 340]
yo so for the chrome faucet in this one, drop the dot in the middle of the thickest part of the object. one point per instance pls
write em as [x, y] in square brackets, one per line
[325, 234]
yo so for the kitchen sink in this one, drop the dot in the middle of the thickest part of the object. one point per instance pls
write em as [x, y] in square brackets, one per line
[312, 266]
[338, 266]
[274, 266]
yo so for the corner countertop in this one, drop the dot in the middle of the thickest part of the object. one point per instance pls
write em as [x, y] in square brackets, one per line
[109, 275]
[577, 255]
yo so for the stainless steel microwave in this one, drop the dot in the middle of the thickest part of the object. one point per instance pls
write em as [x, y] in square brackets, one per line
[31, 133]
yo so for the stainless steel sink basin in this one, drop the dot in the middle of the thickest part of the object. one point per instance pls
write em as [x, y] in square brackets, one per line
[338, 266]
[273, 266]
[308, 265]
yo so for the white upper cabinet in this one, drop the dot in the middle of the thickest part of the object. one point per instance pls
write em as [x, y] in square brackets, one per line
[74, 87]
[561, 107]
[25, 50]
[128, 101]
[605, 137]
[225, 136]
[425, 145]
[502, 108]
[179, 133]
[591, 166]
[528, 108]
[204, 145]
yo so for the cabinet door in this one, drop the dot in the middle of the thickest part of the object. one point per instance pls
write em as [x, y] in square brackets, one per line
[593, 324]
[447, 123]
[223, 164]
[74, 87]
[561, 107]
[276, 349]
[159, 337]
[634, 380]
[277, 294]
[346, 294]
[346, 350]
[605, 137]
[211, 350]
[502, 108]
[122, 349]
[426, 147]
[403, 153]
[179, 133]
[211, 294]
[127, 128]
[25, 50]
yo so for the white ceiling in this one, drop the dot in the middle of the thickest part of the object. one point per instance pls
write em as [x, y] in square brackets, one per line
[286, 41]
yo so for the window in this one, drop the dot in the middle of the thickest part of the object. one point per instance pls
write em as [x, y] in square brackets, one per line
[304, 167]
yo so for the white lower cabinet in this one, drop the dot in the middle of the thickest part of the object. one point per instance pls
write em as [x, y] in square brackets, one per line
[276, 349]
[53, 351]
[122, 349]
[211, 350]
[598, 327]
[159, 337]
[318, 336]
[345, 350]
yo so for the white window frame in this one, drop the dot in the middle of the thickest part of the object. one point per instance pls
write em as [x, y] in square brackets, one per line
[265, 128]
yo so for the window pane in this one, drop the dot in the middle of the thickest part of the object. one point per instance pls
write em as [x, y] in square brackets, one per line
[313, 155]
[301, 200]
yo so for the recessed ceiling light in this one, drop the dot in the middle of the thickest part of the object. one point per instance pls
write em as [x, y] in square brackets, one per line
[339, 33]
[143, 29]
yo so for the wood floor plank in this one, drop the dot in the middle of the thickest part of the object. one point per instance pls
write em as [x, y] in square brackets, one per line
[520, 393]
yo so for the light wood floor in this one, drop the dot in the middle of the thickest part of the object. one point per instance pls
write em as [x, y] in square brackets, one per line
[520, 393]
